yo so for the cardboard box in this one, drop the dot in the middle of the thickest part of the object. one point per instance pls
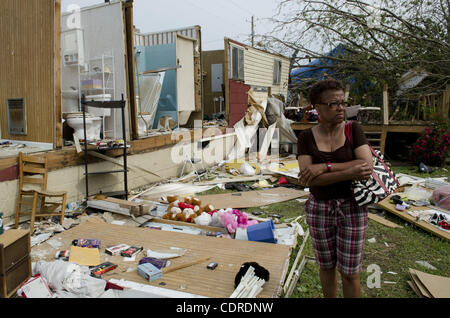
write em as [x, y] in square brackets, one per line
[115, 250]
[36, 287]
[149, 271]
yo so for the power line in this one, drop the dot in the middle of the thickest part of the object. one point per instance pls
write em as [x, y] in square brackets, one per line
[238, 6]
[210, 12]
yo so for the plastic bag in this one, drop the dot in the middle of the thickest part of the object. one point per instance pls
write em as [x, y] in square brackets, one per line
[70, 280]
[247, 170]
[441, 197]
[417, 193]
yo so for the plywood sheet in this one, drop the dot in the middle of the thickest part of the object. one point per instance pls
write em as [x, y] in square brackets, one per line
[422, 224]
[252, 198]
[27, 66]
[197, 279]
[180, 189]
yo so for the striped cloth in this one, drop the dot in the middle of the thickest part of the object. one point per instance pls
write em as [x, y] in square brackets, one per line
[338, 230]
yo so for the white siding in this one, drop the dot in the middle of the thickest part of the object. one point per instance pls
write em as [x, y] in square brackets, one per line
[259, 67]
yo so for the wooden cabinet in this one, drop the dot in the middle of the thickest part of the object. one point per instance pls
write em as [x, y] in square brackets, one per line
[15, 262]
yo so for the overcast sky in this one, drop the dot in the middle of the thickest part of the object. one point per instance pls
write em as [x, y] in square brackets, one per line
[217, 18]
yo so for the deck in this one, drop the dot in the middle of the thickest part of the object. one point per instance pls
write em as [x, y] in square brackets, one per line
[380, 129]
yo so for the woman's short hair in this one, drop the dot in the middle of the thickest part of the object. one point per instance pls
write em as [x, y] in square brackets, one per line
[321, 86]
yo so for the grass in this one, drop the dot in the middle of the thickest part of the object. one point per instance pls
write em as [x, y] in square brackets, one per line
[414, 171]
[395, 250]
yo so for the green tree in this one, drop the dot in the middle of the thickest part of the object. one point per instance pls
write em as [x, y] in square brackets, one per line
[383, 40]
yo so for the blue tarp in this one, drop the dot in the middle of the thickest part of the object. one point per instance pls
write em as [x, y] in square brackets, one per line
[313, 70]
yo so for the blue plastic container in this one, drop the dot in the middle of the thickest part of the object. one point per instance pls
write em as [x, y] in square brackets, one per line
[262, 232]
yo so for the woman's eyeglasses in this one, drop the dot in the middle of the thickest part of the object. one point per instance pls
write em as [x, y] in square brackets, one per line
[335, 105]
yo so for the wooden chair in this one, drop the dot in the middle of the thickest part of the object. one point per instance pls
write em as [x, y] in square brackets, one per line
[33, 184]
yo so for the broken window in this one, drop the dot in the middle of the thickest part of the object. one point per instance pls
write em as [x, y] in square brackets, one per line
[17, 123]
[236, 63]
[276, 72]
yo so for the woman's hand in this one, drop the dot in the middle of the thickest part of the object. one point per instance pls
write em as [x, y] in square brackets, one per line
[360, 171]
[310, 172]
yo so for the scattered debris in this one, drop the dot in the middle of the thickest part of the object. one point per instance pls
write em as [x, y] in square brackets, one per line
[428, 285]
[250, 285]
[426, 264]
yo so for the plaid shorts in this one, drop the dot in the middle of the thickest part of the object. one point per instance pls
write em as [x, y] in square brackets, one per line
[338, 230]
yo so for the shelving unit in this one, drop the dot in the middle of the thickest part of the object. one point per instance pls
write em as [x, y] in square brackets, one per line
[73, 63]
[99, 80]
[112, 104]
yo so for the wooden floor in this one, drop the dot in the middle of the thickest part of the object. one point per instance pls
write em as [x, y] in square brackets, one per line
[230, 254]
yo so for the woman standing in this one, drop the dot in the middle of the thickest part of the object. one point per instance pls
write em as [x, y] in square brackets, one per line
[328, 163]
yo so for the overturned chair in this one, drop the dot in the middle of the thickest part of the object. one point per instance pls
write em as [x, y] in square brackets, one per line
[33, 185]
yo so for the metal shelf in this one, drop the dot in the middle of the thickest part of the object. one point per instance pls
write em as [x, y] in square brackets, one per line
[105, 172]
[107, 104]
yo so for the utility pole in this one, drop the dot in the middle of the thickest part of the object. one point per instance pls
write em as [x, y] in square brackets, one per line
[253, 32]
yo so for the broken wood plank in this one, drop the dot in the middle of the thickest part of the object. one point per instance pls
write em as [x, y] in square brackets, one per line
[236, 179]
[134, 207]
[173, 268]
[77, 143]
[382, 220]
[299, 253]
[108, 206]
[298, 271]
[385, 105]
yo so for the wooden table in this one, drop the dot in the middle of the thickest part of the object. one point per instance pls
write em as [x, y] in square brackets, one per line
[422, 224]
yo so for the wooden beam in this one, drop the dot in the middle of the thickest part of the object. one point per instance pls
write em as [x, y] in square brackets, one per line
[347, 92]
[58, 143]
[198, 78]
[298, 271]
[372, 128]
[130, 65]
[382, 220]
[226, 79]
[297, 258]
[385, 105]
[446, 102]
[383, 136]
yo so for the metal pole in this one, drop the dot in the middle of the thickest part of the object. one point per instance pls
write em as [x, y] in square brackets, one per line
[83, 108]
[125, 181]
[253, 32]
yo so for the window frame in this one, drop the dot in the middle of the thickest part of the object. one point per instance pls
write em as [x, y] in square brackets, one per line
[236, 64]
[277, 66]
